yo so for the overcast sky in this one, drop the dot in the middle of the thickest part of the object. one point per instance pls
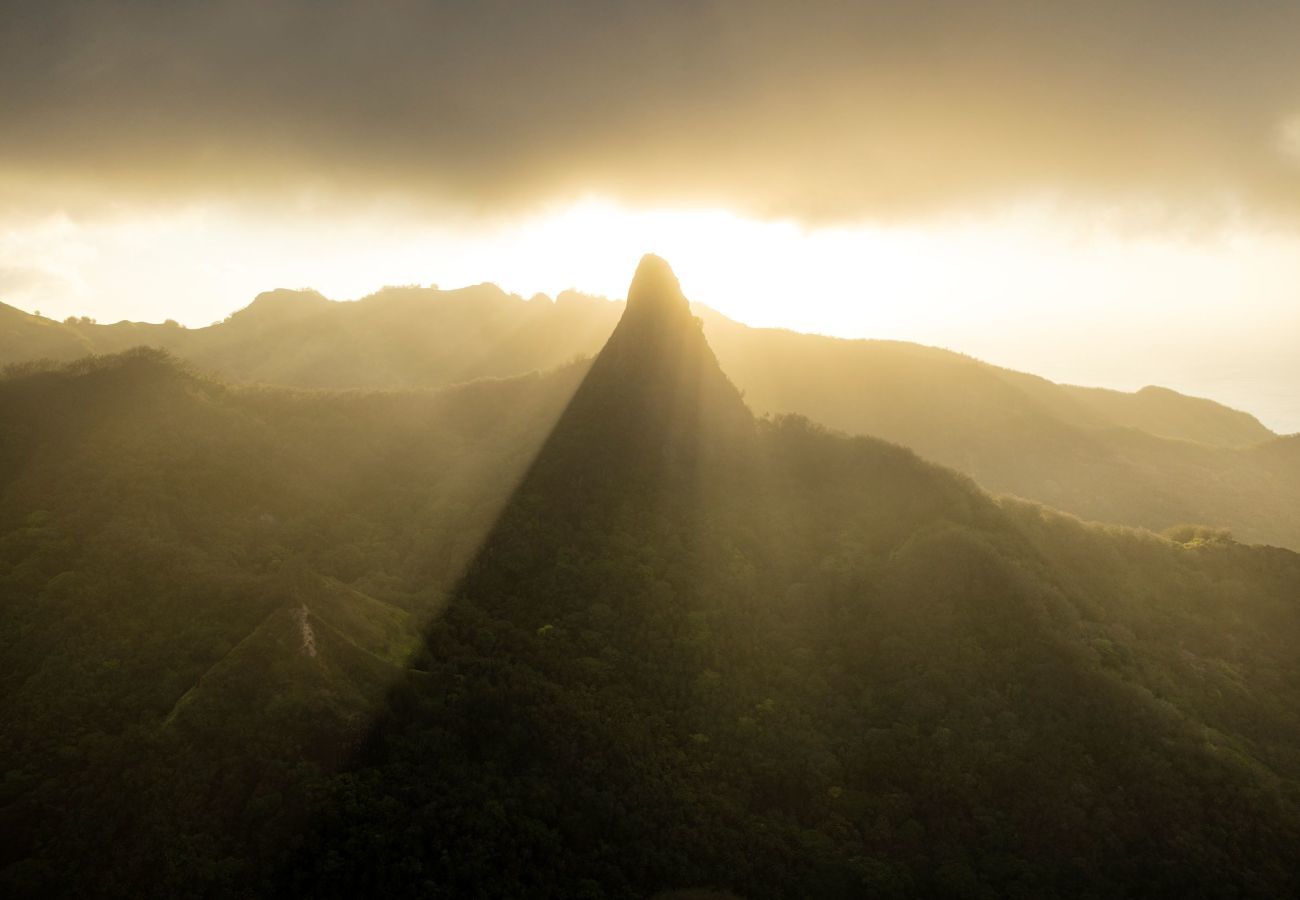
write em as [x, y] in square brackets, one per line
[186, 154]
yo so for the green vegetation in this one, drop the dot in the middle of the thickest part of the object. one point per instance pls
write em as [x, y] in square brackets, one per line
[1151, 459]
[606, 639]
[163, 539]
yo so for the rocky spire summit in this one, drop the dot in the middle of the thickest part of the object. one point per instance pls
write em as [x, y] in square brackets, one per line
[655, 291]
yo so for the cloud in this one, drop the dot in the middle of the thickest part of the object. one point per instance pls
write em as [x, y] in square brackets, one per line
[1289, 138]
[816, 111]
[21, 283]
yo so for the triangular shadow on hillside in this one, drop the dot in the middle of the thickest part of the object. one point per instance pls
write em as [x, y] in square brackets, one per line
[643, 445]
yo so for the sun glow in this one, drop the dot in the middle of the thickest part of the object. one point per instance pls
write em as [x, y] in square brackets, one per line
[1024, 288]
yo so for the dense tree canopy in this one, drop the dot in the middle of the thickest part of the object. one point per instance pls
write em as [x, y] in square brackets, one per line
[603, 633]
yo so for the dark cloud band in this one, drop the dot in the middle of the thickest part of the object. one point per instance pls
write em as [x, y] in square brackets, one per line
[814, 110]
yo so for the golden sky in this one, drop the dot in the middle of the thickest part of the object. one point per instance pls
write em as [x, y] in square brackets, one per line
[998, 176]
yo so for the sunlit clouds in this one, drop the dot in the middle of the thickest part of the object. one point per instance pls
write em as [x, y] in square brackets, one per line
[821, 112]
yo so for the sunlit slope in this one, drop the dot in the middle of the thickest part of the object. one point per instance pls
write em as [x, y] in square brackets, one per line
[1071, 448]
[703, 651]
[851, 384]
[26, 337]
[1168, 413]
[1153, 458]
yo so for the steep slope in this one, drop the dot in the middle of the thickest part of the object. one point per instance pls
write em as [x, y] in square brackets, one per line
[699, 651]
[678, 648]
[1153, 458]
[1072, 448]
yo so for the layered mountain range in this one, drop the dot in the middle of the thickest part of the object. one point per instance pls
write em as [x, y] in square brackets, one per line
[1155, 458]
[605, 632]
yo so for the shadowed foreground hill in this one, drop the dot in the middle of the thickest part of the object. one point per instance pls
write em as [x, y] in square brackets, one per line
[699, 651]
[204, 590]
[1151, 459]
[688, 650]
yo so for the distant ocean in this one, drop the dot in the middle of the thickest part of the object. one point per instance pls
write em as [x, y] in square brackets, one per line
[1275, 403]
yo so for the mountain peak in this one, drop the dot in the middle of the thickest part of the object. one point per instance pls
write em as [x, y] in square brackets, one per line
[655, 290]
[656, 383]
[657, 332]
[653, 418]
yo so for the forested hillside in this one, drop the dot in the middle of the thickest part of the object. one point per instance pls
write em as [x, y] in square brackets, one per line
[604, 633]
[1153, 459]
[204, 590]
[1075, 449]
[762, 659]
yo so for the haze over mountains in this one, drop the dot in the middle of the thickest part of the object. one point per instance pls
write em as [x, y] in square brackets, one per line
[606, 595]
[1154, 458]
[602, 632]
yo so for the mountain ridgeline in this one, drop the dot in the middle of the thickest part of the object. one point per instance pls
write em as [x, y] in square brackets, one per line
[605, 633]
[1153, 459]
[700, 651]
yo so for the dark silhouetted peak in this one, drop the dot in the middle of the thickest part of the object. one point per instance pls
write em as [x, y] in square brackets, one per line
[654, 424]
[655, 392]
[655, 291]
[658, 339]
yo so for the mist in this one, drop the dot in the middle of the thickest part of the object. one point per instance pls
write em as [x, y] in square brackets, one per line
[696, 450]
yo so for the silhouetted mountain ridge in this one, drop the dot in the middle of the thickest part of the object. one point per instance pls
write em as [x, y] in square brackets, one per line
[810, 665]
[657, 373]
[668, 646]
[1083, 450]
